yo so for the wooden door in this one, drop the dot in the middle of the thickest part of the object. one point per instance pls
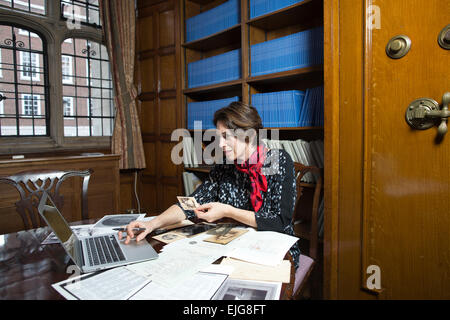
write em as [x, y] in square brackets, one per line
[391, 210]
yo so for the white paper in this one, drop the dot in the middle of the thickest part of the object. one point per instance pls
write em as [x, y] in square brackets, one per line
[201, 286]
[180, 260]
[262, 247]
[114, 284]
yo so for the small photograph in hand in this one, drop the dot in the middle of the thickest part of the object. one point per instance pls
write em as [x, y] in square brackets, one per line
[188, 203]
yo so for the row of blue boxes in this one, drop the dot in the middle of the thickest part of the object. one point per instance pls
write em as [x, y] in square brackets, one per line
[204, 111]
[217, 19]
[221, 68]
[292, 108]
[298, 50]
[261, 7]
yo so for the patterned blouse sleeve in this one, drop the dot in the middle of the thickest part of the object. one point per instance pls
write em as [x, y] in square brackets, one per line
[206, 192]
[277, 209]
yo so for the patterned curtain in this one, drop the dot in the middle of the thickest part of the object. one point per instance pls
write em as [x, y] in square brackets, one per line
[119, 27]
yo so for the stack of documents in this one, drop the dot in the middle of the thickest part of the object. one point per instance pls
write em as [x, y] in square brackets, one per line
[304, 152]
[298, 50]
[220, 68]
[212, 21]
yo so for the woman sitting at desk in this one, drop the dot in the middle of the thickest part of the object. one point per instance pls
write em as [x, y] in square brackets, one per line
[256, 186]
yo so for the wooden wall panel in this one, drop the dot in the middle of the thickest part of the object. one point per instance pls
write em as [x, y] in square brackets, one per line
[168, 115]
[159, 84]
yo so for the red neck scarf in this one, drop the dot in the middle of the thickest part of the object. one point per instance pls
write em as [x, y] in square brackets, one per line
[252, 167]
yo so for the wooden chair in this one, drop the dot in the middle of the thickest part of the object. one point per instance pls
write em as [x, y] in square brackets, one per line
[32, 184]
[307, 262]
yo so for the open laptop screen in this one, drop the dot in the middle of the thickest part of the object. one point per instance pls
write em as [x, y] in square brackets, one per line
[59, 225]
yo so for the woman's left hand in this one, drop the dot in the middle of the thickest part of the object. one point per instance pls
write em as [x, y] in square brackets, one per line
[212, 211]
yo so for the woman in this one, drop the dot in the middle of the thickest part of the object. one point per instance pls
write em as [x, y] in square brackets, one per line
[256, 186]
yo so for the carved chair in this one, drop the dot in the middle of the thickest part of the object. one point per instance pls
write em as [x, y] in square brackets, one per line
[307, 262]
[32, 184]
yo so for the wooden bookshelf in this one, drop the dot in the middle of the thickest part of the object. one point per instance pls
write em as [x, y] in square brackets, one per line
[222, 38]
[215, 90]
[308, 10]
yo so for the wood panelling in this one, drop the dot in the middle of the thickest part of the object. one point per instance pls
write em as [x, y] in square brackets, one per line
[166, 28]
[103, 191]
[168, 115]
[147, 75]
[145, 37]
[150, 159]
[160, 90]
[168, 78]
[147, 117]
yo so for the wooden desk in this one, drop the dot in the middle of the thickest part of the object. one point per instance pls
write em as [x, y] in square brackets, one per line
[28, 269]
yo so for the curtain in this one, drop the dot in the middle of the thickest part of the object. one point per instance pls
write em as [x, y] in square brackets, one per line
[119, 27]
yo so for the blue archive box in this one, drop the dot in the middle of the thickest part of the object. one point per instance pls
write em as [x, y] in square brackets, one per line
[279, 109]
[298, 50]
[221, 68]
[204, 111]
[290, 108]
[261, 7]
[212, 21]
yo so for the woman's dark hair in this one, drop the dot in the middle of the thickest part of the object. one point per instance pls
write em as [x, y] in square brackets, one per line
[242, 118]
[238, 115]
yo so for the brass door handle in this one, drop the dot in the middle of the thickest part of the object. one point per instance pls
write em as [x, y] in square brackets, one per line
[424, 113]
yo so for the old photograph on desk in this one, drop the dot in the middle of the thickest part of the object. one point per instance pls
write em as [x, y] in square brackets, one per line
[234, 289]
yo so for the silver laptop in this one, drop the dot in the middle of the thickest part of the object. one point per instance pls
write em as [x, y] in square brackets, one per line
[93, 253]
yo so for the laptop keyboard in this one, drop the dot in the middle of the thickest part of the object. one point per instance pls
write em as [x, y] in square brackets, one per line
[103, 249]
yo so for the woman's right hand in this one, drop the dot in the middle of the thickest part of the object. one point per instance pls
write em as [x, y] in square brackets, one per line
[137, 224]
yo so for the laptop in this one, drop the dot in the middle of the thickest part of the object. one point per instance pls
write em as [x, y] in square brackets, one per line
[93, 253]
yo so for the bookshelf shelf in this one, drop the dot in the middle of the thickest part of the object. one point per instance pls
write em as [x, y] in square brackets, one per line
[290, 79]
[220, 39]
[215, 91]
[309, 11]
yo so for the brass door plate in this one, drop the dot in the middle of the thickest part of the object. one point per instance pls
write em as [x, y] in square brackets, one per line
[398, 46]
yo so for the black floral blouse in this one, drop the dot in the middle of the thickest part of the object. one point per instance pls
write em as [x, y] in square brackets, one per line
[228, 185]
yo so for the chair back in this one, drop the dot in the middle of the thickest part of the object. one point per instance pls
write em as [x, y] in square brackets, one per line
[307, 262]
[32, 184]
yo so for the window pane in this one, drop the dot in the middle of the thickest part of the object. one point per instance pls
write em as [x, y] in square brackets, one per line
[34, 6]
[23, 83]
[81, 11]
[91, 89]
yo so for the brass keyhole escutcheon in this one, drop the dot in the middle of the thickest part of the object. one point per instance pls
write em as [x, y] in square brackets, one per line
[398, 47]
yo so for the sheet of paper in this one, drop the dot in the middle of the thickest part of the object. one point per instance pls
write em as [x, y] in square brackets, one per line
[262, 247]
[180, 260]
[251, 271]
[201, 286]
[114, 284]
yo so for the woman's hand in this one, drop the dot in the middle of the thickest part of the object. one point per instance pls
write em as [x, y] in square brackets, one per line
[212, 211]
[137, 224]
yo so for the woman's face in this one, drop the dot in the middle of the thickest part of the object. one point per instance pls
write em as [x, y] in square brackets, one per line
[233, 147]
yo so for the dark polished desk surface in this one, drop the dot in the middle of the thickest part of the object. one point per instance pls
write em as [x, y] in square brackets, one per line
[28, 268]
